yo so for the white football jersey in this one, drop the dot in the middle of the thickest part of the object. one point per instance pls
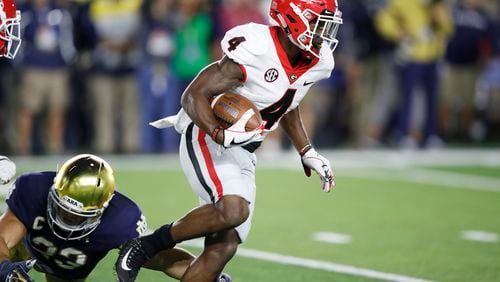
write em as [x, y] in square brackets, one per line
[271, 83]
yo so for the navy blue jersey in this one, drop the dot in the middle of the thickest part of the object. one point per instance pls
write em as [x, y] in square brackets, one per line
[122, 220]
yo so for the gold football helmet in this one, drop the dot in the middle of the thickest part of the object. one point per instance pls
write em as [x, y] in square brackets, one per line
[81, 191]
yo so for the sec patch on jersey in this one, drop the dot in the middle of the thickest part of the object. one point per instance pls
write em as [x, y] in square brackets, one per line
[229, 107]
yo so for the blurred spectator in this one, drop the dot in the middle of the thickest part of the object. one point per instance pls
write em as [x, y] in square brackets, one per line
[492, 7]
[154, 75]
[487, 98]
[373, 95]
[78, 133]
[192, 40]
[487, 101]
[113, 85]
[7, 112]
[467, 52]
[235, 12]
[47, 52]
[230, 13]
[326, 111]
[420, 29]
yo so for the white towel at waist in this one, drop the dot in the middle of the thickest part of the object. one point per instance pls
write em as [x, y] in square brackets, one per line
[180, 121]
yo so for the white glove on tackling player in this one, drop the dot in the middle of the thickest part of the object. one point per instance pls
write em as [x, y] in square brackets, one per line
[237, 136]
[7, 170]
[312, 160]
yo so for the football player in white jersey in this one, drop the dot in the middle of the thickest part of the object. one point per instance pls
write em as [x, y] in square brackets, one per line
[273, 66]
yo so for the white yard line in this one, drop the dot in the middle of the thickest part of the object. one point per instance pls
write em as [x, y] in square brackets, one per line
[315, 264]
[331, 237]
[431, 177]
[479, 236]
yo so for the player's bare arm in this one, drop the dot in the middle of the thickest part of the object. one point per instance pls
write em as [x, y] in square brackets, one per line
[12, 231]
[311, 160]
[215, 79]
[294, 128]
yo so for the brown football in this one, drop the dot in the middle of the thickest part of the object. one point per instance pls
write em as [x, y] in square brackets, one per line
[229, 107]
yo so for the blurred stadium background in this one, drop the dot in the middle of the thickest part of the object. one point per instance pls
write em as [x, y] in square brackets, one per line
[416, 200]
[91, 74]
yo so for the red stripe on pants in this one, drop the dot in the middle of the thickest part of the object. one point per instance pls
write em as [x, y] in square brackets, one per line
[209, 163]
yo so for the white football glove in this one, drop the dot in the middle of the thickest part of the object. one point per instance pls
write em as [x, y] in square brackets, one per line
[7, 170]
[237, 136]
[312, 160]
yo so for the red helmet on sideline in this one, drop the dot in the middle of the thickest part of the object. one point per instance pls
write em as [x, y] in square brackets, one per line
[10, 25]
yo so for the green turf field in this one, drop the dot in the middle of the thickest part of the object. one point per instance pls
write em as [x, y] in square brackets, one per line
[400, 227]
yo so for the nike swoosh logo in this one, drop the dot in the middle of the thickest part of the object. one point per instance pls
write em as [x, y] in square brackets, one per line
[237, 143]
[124, 261]
[307, 83]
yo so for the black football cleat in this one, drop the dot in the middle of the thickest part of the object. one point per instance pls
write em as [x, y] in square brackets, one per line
[130, 260]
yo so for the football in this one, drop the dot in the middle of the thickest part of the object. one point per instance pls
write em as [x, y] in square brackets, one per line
[229, 107]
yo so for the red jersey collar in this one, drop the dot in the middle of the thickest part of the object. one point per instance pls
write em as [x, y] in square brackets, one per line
[293, 73]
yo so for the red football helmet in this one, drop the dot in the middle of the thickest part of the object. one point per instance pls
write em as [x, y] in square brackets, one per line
[10, 29]
[308, 22]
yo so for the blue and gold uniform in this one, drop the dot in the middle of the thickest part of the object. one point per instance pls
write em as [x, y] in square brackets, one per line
[122, 220]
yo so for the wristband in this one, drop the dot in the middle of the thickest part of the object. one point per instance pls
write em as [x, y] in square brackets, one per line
[305, 149]
[216, 132]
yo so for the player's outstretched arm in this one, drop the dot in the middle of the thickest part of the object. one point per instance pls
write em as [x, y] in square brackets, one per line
[11, 232]
[311, 160]
[294, 128]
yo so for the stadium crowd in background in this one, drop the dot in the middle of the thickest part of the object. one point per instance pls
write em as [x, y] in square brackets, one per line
[92, 74]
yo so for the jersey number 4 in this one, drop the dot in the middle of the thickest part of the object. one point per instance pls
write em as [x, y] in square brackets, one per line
[234, 42]
[273, 113]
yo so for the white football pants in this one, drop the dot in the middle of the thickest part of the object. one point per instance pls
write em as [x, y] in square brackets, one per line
[214, 171]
